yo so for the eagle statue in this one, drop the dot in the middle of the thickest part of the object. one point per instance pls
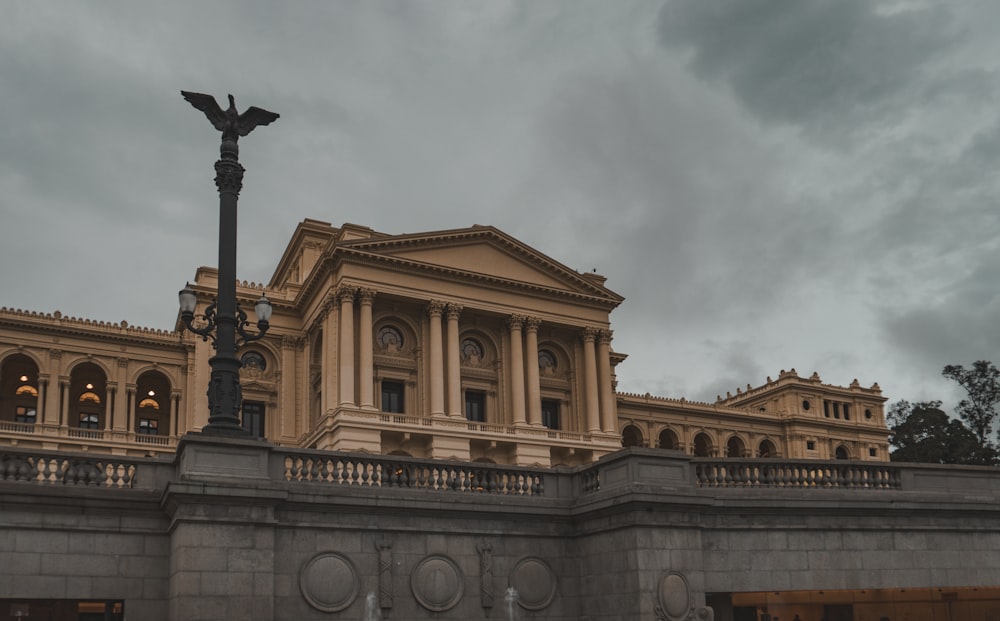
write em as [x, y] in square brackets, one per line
[231, 123]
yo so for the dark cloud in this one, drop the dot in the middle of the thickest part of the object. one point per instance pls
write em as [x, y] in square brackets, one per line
[831, 66]
[770, 184]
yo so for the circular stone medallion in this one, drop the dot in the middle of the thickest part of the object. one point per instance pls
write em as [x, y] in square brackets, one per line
[329, 582]
[674, 596]
[437, 583]
[535, 583]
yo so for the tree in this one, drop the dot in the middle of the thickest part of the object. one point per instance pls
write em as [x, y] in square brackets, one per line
[923, 432]
[982, 384]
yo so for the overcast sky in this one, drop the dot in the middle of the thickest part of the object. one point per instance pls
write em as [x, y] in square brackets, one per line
[770, 184]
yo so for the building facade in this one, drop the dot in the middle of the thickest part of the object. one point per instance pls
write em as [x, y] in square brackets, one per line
[463, 345]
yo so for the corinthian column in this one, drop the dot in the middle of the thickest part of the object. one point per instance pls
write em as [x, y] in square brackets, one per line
[346, 297]
[531, 368]
[590, 381]
[607, 395]
[454, 362]
[366, 355]
[435, 309]
[516, 370]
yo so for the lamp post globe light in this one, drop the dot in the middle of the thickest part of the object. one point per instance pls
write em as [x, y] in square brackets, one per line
[223, 319]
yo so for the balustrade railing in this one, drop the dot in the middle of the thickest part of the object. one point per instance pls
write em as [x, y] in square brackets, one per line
[53, 470]
[805, 474]
[372, 472]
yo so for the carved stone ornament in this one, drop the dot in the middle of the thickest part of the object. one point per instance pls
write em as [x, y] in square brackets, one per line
[674, 601]
[437, 583]
[535, 583]
[329, 582]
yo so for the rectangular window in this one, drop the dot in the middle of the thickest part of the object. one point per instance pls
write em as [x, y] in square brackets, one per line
[810, 445]
[24, 414]
[847, 411]
[253, 418]
[826, 408]
[872, 452]
[550, 413]
[88, 421]
[475, 406]
[392, 396]
[148, 426]
[836, 410]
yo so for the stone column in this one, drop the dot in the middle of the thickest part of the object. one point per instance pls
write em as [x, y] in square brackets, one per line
[590, 381]
[345, 295]
[112, 405]
[366, 354]
[173, 426]
[130, 392]
[605, 389]
[516, 370]
[531, 370]
[118, 414]
[53, 402]
[454, 363]
[328, 363]
[64, 401]
[43, 397]
[434, 310]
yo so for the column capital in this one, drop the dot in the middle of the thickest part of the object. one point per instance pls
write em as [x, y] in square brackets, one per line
[589, 335]
[531, 324]
[515, 322]
[366, 295]
[345, 293]
[604, 336]
[454, 310]
[435, 308]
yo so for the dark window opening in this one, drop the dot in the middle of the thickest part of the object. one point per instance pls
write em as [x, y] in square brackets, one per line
[475, 406]
[810, 445]
[873, 452]
[826, 409]
[253, 418]
[148, 426]
[550, 413]
[89, 421]
[24, 414]
[847, 411]
[392, 396]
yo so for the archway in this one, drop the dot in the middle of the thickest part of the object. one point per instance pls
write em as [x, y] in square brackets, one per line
[702, 445]
[766, 449]
[19, 390]
[632, 436]
[842, 452]
[668, 440]
[735, 447]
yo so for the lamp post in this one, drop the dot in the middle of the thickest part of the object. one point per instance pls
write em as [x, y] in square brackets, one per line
[223, 318]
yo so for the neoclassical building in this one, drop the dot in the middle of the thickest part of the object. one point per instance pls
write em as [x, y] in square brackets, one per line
[463, 344]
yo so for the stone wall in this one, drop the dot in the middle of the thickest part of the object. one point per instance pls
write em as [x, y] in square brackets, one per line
[239, 529]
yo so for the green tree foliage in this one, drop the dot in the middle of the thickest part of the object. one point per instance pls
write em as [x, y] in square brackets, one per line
[982, 384]
[923, 432]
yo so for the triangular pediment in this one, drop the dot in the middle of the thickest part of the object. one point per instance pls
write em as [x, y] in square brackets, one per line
[481, 252]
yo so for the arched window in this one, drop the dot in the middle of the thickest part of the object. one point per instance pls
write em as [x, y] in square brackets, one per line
[88, 387]
[735, 447]
[472, 352]
[766, 449]
[390, 339]
[631, 436]
[19, 390]
[842, 453]
[253, 361]
[702, 445]
[152, 410]
[668, 440]
[547, 362]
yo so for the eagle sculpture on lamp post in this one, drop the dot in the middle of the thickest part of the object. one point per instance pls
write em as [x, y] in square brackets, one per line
[231, 123]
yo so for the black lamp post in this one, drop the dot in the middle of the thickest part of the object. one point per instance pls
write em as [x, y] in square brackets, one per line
[224, 319]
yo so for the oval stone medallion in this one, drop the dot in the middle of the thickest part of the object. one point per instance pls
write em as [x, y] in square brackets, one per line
[437, 583]
[674, 598]
[329, 582]
[535, 583]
